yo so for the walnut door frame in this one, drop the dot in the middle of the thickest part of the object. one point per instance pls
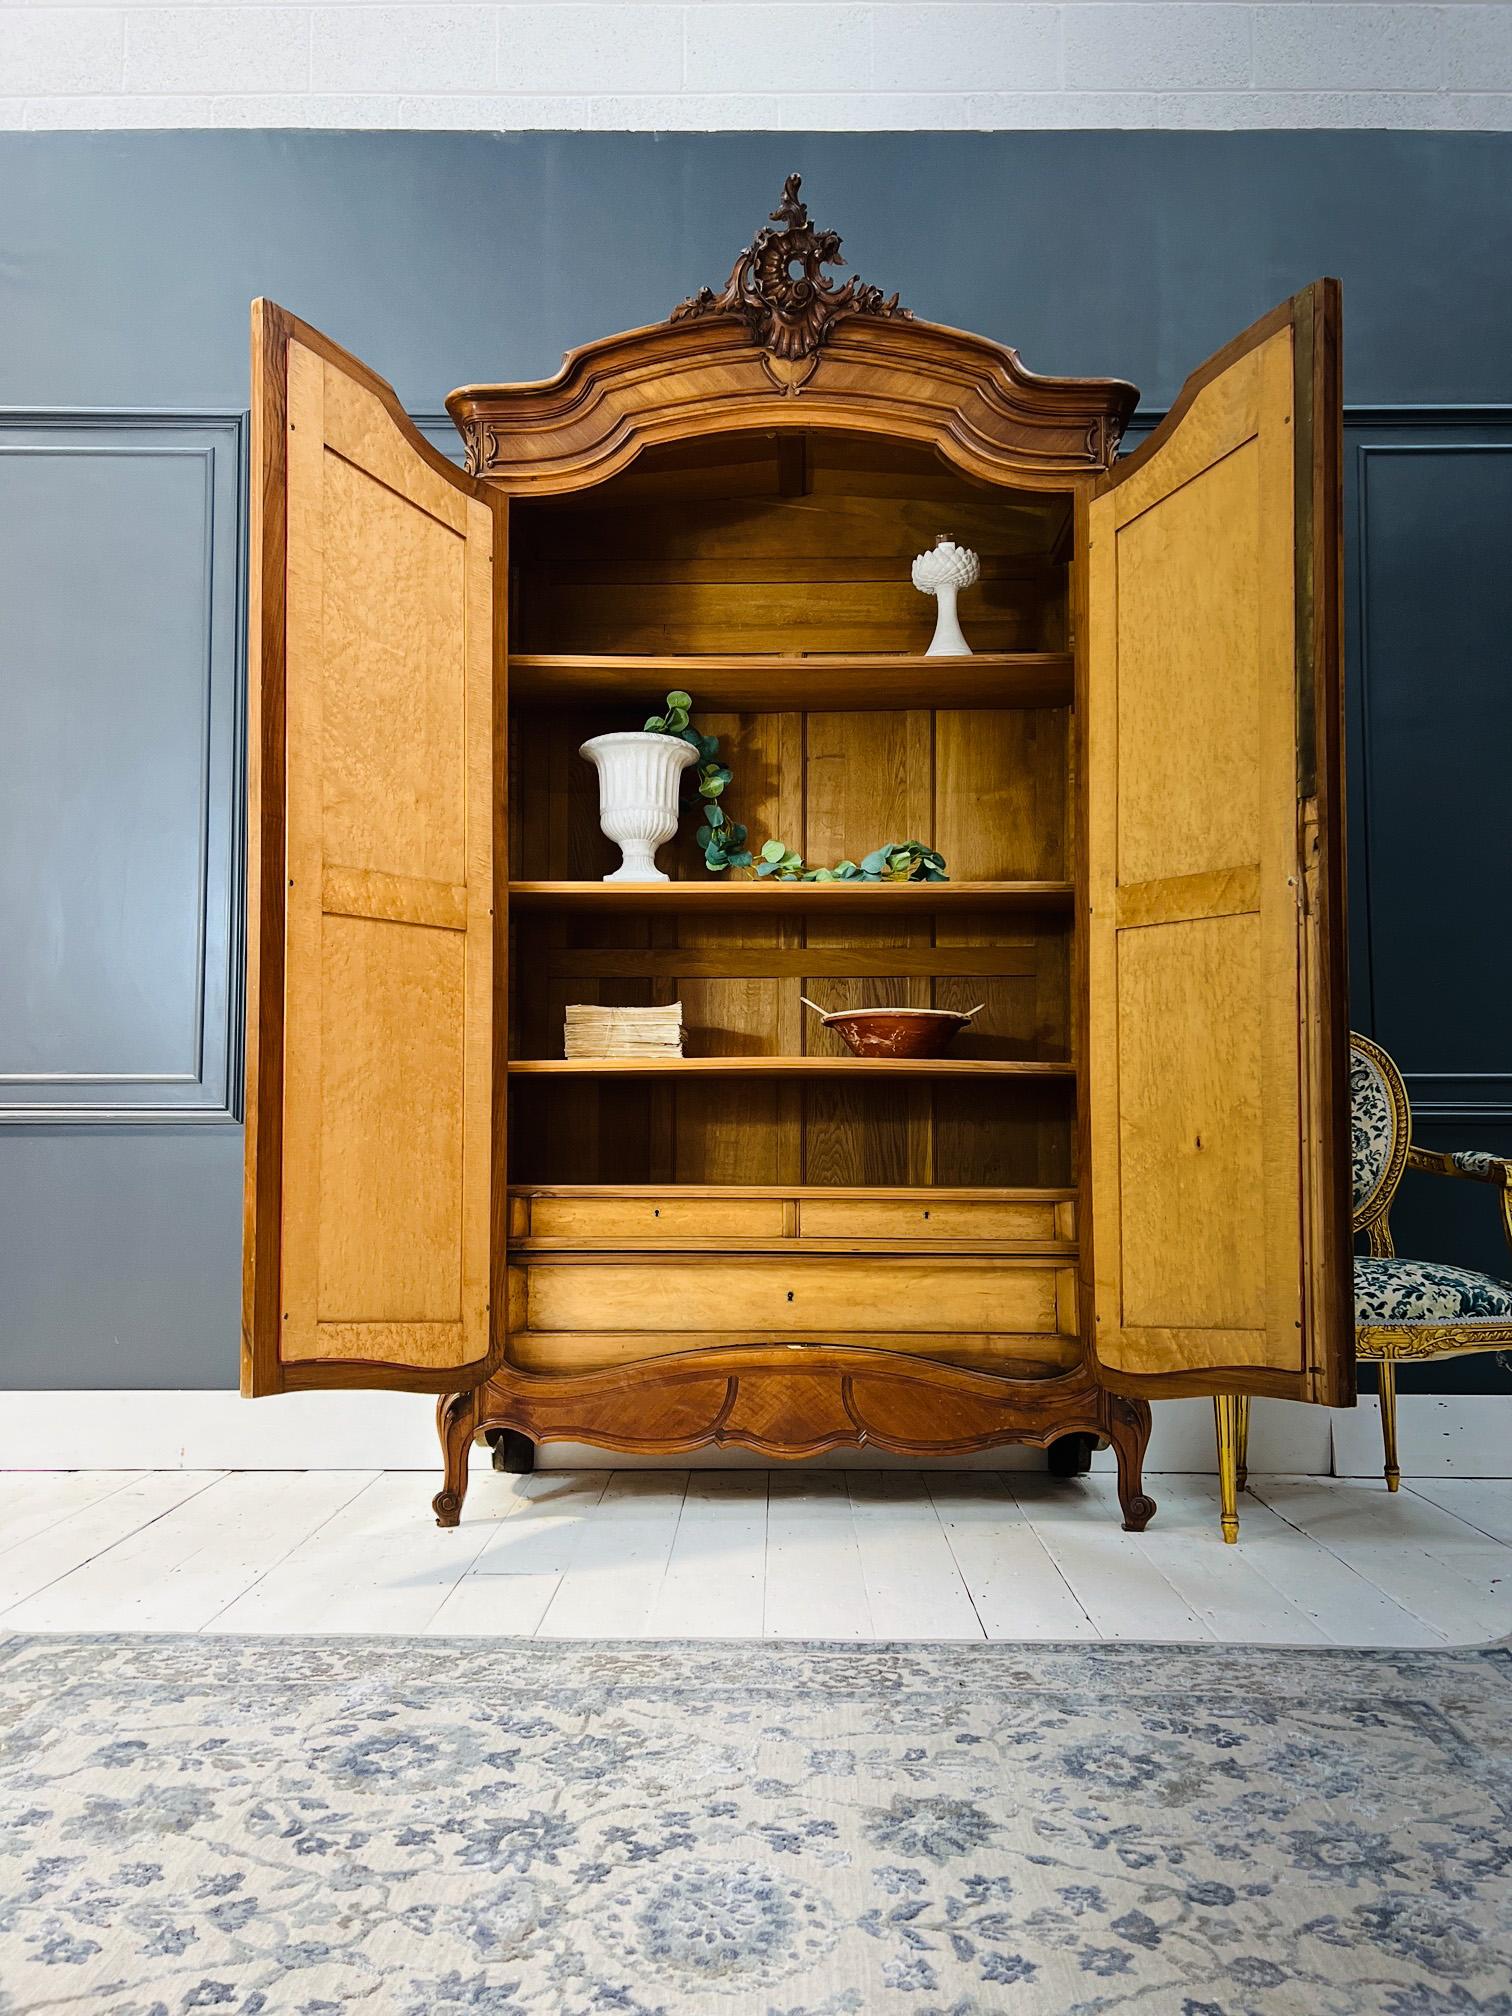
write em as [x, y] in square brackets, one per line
[275, 335]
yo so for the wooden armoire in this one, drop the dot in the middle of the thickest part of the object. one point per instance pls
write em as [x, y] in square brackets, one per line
[1128, 1181]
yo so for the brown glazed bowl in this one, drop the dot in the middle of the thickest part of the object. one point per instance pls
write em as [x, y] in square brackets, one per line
[897, 1032]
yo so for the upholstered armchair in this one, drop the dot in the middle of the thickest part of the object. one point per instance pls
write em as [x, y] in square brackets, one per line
[1412, 1309]
[1404, 1309]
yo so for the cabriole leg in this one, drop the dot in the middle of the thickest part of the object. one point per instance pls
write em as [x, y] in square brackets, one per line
[456, 1419]
[1226, 1422]
[1386, 1380]
[1129, 1432]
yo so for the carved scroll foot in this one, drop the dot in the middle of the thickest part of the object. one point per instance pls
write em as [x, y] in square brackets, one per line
[456, 1418]
[1129, 1432]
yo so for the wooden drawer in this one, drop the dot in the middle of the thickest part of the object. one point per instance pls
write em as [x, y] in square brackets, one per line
[949, 1218]
[813, 1296]
[652, 1217]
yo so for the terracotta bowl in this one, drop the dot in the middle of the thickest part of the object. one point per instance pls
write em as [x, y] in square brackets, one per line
[897, 1032]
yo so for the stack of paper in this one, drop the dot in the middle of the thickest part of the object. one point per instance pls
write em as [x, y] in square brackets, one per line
[624, 1032]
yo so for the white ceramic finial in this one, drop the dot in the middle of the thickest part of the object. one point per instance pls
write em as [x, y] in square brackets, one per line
[943, 572]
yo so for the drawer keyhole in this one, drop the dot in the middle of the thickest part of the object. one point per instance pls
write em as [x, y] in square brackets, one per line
[790, 1294]
[656, 1211]
[926, 1214]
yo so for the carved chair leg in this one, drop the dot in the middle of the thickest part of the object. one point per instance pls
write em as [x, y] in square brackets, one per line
[456, 1419]
[1226, 1422]
[1386, 1380]
[1129, 1432]
[1241, 1441]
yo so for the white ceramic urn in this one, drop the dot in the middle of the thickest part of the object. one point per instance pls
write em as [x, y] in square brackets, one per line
[638, 785]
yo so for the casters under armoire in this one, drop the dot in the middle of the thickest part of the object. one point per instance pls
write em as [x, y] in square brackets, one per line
[512, 1452]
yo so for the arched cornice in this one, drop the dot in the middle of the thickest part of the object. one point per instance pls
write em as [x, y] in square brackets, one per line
[968, 398]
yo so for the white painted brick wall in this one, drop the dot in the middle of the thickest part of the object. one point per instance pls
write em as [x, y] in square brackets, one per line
[758, 64]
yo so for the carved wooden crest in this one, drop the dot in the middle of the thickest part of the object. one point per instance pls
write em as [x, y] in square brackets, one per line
[780, 290]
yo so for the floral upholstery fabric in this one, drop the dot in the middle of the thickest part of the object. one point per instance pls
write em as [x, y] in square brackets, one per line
[1372, 1126]
[1425, 1291]
[1476, 1162]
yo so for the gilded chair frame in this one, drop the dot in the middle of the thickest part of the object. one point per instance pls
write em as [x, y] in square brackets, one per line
[1384, 1345]
[1387, 1344]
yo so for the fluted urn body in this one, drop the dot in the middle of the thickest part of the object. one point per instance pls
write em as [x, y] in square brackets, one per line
[638, 785]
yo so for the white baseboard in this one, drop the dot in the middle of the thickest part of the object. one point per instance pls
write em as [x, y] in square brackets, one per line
[1442, 1435]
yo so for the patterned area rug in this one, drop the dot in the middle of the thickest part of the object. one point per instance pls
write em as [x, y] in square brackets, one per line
[419, 1827]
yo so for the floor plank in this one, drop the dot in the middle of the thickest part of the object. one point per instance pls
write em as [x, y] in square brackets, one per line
[815, 1586]
[179, 1572]
[379, 1564]
[790, 1553]
[1482, 1502]
[1345, 1605]
[1225, 1585]
[715, 1584]
[60, 1549]
[1016, 1589]
[610, 1585]
[1426, 1560]
[1120, 1586]
[33, 1500]
[913, 1584]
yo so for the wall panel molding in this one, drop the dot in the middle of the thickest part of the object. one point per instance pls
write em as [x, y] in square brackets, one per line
[123, 536]
[1428, 537]
[1387, 805]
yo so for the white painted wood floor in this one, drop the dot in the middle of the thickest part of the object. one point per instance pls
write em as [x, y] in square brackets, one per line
[747, 1554]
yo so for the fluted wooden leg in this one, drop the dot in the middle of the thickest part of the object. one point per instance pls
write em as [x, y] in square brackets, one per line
[1386, 1379]
[1226, 1422]
[1241, 1440]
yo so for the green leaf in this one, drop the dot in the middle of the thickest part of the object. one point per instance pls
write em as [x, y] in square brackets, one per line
[714, 855]
[677, 720]
[691, 735]
[703, 836]
[741, 859]
[737, 834]
[715, 816]
[767, 867]
[679, 700]
[873, 863]
[845, 871]
[655, 726]
[772, 850]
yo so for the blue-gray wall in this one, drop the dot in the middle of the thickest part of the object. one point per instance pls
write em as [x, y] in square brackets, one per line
[126, 265]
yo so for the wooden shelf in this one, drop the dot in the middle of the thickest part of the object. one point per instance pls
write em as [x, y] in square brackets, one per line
[786, 1067]
[769, 684]
[791, 897]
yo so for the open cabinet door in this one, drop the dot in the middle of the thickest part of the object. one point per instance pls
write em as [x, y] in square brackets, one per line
[376, 642]
[1217, 1082]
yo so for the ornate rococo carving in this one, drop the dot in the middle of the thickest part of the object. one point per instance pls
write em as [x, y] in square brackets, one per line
[780, 291]
[481, 446]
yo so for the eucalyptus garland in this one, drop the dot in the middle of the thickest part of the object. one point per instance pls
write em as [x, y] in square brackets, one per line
[723, 840]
